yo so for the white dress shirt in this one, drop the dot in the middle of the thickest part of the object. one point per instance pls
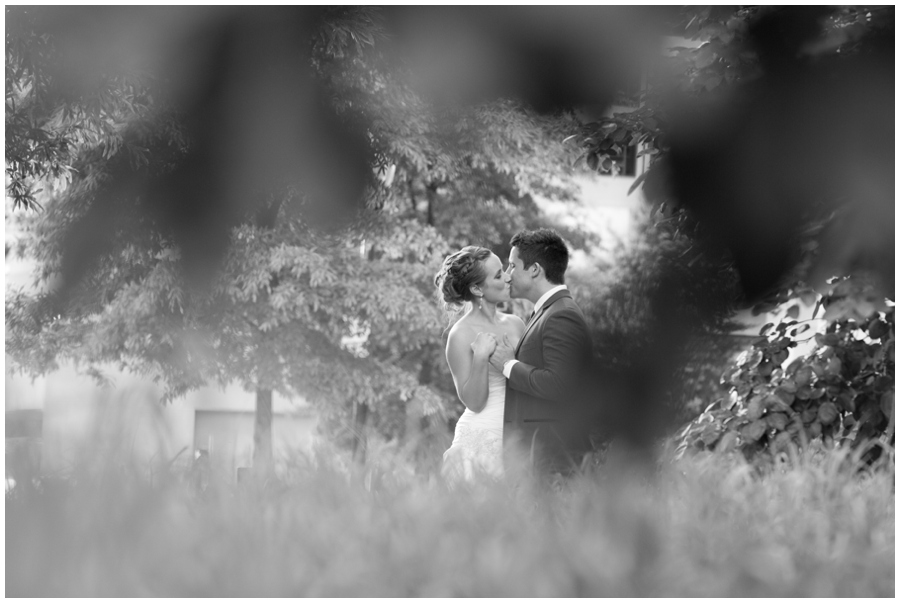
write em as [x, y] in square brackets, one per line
[507, 368]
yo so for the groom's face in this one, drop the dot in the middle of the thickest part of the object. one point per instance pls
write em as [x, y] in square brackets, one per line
[520, 280]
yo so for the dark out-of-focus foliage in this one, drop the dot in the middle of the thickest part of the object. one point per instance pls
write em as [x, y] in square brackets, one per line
[252, 110]
[344, 316]
[773, 117]
[193, 155]
[770, 134]
[699, 380]
[551, 58]
[841, 390]
[661, 303]
[249, 112]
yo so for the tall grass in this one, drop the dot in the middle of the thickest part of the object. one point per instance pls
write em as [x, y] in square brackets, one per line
[705, 526]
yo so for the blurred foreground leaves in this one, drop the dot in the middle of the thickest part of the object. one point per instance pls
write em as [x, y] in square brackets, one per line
[768, 118]
[288, 249]
[301, 168]
[707, 526]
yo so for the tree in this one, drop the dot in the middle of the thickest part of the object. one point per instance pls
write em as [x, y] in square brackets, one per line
[50, 116]
[273, 319]
[275, 127]
[344, 316]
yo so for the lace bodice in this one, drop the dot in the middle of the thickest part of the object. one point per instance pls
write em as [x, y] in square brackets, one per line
[491, 416]
[478, 440]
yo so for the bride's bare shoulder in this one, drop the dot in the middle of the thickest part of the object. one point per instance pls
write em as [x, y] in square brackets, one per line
[459, 339]
[461, 329]
[512, 318]
[514, 321]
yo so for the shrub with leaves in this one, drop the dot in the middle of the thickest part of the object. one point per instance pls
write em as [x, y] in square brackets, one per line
[840, 392]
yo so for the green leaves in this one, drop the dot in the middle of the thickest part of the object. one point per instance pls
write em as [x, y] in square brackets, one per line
[728, 441]
[753, 431]
[755, 408]
[877, 328]
[47, 127]
[887, 403]
[777, 421]
[827, 413]
[841, 389]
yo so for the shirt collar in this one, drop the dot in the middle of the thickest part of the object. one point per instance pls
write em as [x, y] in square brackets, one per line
[543, 299]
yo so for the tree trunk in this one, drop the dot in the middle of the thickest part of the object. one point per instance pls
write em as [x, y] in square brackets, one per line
[414, 205]
[360, 416]
[432, 193]
[262, 432]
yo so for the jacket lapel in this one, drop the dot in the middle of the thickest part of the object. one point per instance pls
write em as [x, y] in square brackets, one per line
[537, 316]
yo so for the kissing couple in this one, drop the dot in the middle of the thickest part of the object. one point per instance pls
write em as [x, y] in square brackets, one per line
[523, 384]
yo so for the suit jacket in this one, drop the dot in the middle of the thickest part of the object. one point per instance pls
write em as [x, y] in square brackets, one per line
[545, 391]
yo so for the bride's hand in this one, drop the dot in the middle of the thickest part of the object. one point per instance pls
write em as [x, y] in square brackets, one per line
[484, 345]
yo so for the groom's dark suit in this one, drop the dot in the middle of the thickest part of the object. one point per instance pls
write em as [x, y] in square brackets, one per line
[545, 389]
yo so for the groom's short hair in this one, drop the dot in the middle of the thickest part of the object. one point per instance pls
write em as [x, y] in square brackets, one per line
[545, 247]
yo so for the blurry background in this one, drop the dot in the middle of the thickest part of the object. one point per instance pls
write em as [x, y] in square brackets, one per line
[257, 199]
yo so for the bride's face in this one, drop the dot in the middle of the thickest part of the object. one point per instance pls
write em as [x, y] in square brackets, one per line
[496, 283]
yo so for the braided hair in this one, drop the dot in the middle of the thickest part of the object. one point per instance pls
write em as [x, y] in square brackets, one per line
[458, 273]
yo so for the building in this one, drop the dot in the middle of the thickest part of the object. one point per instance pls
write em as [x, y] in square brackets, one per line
[58, 419]
[69, 418]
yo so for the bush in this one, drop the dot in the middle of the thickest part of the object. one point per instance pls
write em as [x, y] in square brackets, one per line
[841, 392]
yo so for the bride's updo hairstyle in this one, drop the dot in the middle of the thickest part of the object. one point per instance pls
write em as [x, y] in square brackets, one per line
[458, 273]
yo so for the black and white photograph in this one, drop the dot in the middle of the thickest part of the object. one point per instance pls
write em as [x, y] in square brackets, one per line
[450, 301]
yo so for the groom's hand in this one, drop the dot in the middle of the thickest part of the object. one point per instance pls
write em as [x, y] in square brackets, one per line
[503, 353]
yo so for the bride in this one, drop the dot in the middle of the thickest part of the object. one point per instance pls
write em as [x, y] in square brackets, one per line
[473, 278]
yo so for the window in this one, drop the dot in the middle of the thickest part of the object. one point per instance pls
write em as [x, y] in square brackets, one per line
[621, 164]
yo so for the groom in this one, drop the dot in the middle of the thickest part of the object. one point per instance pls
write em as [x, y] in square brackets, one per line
[547, 371]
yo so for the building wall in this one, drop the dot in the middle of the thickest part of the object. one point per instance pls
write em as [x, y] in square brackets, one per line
[80, 419]
[227, 436]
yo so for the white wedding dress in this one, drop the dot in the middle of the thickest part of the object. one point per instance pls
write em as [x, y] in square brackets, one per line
[477, 447]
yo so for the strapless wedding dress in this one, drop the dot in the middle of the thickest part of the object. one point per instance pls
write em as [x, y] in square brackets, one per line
[477, 447]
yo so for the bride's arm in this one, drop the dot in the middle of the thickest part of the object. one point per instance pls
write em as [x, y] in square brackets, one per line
[467, 355]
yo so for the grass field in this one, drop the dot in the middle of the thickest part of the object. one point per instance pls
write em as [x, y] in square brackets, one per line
[705, 526]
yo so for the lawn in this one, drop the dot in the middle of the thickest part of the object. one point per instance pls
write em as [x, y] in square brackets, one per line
[701, 526]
